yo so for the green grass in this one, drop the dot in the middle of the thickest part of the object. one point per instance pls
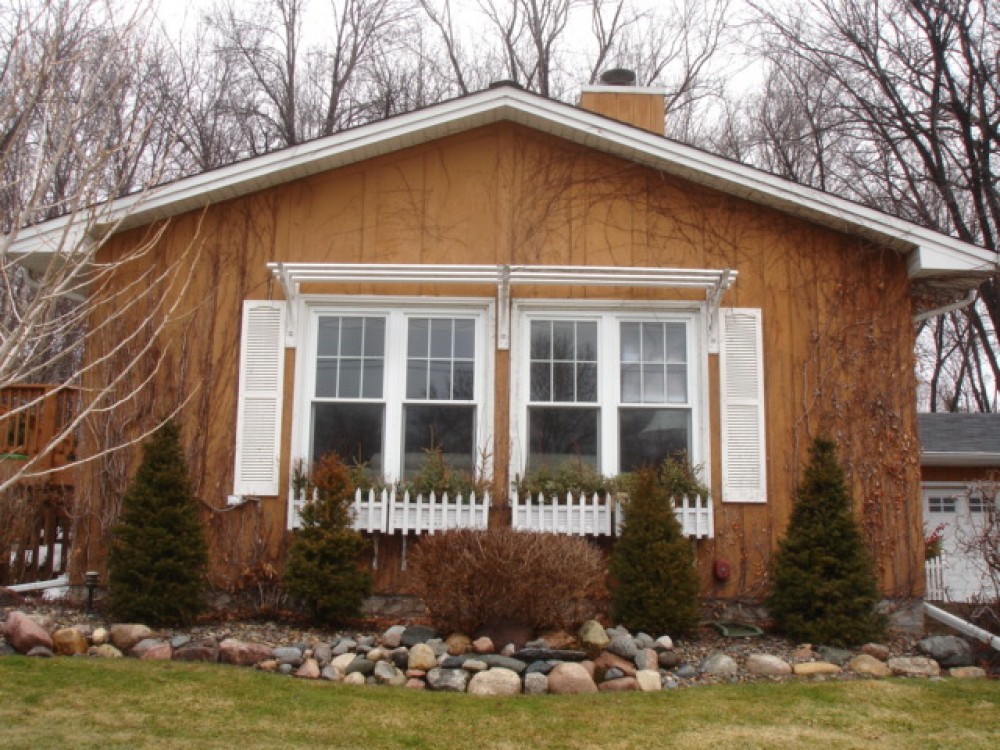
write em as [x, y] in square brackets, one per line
[84, 703]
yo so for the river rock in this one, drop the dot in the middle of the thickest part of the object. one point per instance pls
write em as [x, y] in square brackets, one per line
[125, 635]
[666, 642]
[288, 655]
[152, 649]
[458, 644]
[967, 673]
[549, 654]
[241, 653]
[475, 665]
[205, 651]
[309, 670]
[649, 680]
[570, 678]
[447, 680]
[331, 674]
[323, 653]
[608, 660]
[623, 646]
[415, 634]
[719, 665]
[536, 683]
[767, 665]
[497, 681]
[947, 650]
[557, 639]
[593, 637]
[99, 637]
[914, 666]
[838, 656]
[354, 678]
[668, 659]
[868, 665]
[878, 650]
[393, 637]
[421, 656]
[69, 642]
[646, 658]
[361, 665]
[104, 651]
[483, 645]
[387, 674]
[23, 633]
[504, 662]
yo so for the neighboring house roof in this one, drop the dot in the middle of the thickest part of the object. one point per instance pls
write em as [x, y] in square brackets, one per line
[960, 439]
[931, 254]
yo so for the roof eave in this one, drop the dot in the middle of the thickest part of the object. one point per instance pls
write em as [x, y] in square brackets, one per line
[957, 458]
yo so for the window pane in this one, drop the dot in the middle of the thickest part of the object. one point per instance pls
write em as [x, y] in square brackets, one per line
[328, 334]
[652, 384]
[630, 343]
[464, 381]
[418, 333]
[676, 342]
[441, 338]
[541, 339]
[652, 342]
[371, 384]
[557, 435]
[586, 382]
[647, 436]
[350, 378]
[350, 336]
[439, 385]
[586, 342]
[677, 384]
[563, 340]
[631, 384]
[450, 428]
[563, 381]
[416, 379]
[374, 337]
[353, 431]
[541, 381]
[326, 378]
[465, 339]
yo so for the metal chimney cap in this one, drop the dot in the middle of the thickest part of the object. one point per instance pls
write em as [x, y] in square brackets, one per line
[618, 77]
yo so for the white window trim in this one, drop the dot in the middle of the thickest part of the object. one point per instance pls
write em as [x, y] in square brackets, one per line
[397, 310]
[623, 310]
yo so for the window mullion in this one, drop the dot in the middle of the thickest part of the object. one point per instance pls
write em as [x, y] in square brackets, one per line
[609, 392]
[395, 391]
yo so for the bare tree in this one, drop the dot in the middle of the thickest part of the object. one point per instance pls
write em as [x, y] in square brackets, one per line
[77, 129]
[909, 95]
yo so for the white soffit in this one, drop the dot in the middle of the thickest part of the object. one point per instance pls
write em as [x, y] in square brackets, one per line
[932, 253]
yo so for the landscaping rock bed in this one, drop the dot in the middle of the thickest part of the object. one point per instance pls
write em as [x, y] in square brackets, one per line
[596, 659]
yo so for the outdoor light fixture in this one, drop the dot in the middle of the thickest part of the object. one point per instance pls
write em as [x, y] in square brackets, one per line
[90, 580]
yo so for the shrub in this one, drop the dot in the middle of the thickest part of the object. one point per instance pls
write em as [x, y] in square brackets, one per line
[571, 476]
[435, 475]
[322, 570]
[157, 561]
[469, 578]
[656, 584]
[823, 588]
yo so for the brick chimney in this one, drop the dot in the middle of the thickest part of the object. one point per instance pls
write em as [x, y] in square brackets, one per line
[618, 97]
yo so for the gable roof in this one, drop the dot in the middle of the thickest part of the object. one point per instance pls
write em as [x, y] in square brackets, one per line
[960, 439]
[931, 254]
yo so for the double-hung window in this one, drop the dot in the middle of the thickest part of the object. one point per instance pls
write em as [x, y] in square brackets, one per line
[614, 389]
[386, 384]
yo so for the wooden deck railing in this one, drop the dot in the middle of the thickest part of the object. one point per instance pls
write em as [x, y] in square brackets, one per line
[31, 417]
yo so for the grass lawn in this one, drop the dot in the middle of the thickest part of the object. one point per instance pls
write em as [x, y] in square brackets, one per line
[80, 703]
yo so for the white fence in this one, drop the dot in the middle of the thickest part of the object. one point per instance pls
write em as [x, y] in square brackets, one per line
[934, 572]
[388, 512]
[603, 516]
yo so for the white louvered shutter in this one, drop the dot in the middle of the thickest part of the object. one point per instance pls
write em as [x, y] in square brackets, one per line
[741, 371]
[258, 419]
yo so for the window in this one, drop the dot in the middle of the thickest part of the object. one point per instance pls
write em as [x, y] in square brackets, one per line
[941, 504]
[978, 504]
[385, 384]
[613, 389]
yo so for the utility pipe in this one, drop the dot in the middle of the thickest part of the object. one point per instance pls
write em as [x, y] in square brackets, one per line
[966, 628]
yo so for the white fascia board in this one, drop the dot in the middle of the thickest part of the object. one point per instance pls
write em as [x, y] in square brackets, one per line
[943, 458]
[933, 253]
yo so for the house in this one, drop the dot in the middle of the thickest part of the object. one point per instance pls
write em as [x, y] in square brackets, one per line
[960, 473]
[517, 280]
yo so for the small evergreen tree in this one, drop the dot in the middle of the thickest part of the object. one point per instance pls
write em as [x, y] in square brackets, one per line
[322, 568]
[158, 558]
[652, 562]
[823, 583]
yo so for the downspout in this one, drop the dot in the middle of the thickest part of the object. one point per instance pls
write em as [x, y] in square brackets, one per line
[966, 628]
[964, 302]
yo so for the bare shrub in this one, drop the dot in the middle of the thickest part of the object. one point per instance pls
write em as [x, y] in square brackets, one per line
[470, 578]
[980, 543]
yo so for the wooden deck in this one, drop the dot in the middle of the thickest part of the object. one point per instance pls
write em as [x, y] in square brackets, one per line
[35, 540]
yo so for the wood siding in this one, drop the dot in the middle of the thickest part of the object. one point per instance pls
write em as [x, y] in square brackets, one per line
[836, 321]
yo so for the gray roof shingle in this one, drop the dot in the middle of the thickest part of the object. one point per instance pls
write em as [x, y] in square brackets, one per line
[944, 432]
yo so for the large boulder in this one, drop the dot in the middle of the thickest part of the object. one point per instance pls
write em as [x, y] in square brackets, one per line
[947, 650]
[767, 665]
[914, 666]
[869, 666]
[421, 657]
[497, 681]
[125, 635]
[815, 669]
[69, 642]
[570, 678]
[24, 634]
[242, 653]
[719, 665]
[448, 680]
[619, 685]
[593, 638]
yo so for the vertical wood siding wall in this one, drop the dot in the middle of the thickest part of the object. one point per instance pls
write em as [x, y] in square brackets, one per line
[836, 321]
